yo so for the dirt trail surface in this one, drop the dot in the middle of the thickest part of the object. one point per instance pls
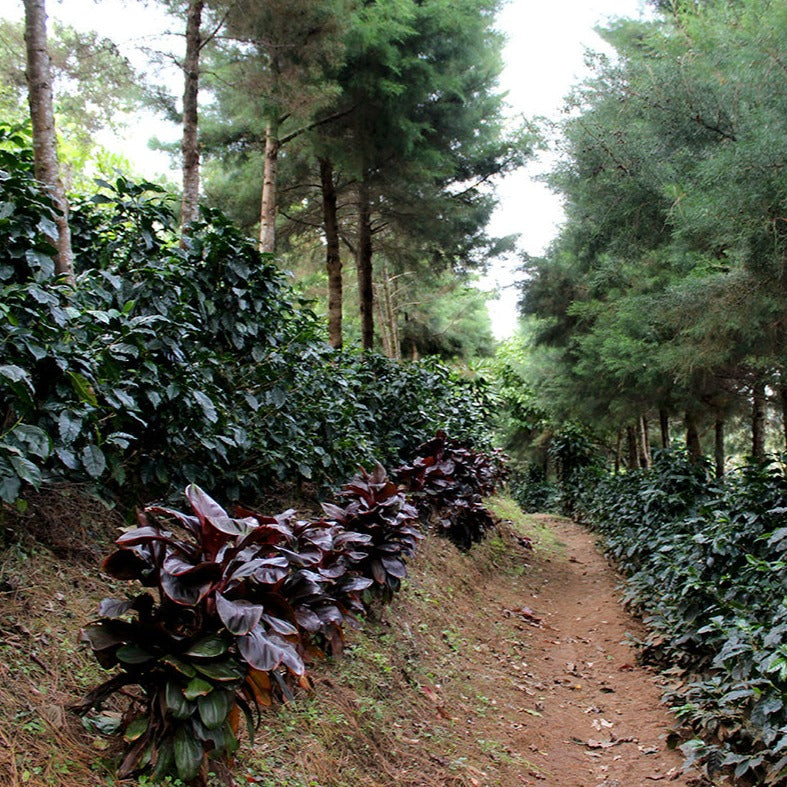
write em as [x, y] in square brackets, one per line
[601, 722]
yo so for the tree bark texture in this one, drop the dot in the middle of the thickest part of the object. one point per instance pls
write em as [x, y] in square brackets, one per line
[268, 202]
[693, 445]
[633, 445]
[758, 422]
[333, 259]
[364, 267]
[391, 315]
[45, 162]
[644, 443]
[664, 424]
[618, 451]
[783, 397]
[718, 453]
[189, 145]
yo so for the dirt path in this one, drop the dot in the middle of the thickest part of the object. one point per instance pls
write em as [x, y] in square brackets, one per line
[601, 721]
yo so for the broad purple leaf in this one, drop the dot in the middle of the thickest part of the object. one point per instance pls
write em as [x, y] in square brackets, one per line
[240, 616]
[334, 513]
[183, 591]
[143, 535]
[394, 567]
[280, 626]
[114, 608]
[259, 651]
[307, 619]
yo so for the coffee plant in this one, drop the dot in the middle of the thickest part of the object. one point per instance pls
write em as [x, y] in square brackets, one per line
[184, 360]
[706, 564]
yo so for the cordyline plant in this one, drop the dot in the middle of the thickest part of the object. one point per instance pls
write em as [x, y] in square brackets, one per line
[377, 508]
[217, 638]
[448, 482]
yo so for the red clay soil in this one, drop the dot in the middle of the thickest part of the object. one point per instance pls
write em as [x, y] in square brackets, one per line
[601, 720]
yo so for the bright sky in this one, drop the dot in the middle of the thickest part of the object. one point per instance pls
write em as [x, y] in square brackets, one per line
[544, 57]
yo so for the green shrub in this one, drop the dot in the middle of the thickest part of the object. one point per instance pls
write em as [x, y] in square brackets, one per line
[706, 565]
[185, 360]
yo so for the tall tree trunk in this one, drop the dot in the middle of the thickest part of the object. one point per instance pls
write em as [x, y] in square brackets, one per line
[783, 396]
[718, 453]
[664, 424]
[364, 267]
[618, 451]
[645, 456]
[382, 322]
[758, 421]
[693, 446]
[392, 318]
[189, 145]
[45, 162]
[333, 260]
[268, 203]
[633, 443]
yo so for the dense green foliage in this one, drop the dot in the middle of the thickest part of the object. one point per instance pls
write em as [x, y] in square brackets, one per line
[665, 290]
[706, 566]
[185, 361]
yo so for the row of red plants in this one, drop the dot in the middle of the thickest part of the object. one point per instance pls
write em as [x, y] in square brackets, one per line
[241, 604]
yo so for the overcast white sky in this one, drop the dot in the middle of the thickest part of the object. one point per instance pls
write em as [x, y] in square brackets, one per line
[544, 57]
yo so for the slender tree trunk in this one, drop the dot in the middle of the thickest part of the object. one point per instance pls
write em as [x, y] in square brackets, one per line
[45, 162]
[645, 456]
[333, 260]
[382, 322]
[718, 453]
[392, 319]
[633, 453]
[693, 446]
[618, 451]
[189, 145]
[268, 203]
[758, 422]
[664, 424]
[783, 396]
[364, 267]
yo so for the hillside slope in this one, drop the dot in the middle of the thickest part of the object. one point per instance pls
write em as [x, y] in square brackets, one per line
[498, 667]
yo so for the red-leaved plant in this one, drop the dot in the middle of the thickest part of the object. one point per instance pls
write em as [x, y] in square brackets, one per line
[218, 637]
[377, 508]
[448, 481]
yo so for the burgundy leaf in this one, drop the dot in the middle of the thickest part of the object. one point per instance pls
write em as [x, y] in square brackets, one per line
[378, 572]
[184, 591]
[240, 617]
[355, 584]
[330, 614]
[307, 619]
[289, 656]
[280, 626]
[394, 567]
[114, 608]
[189, 522]
[259, 651]
[125, 564]
[204, 505]
[333, 512]
[142, 535]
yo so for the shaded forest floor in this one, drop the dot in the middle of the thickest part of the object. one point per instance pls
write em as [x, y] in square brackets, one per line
[500, 667]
